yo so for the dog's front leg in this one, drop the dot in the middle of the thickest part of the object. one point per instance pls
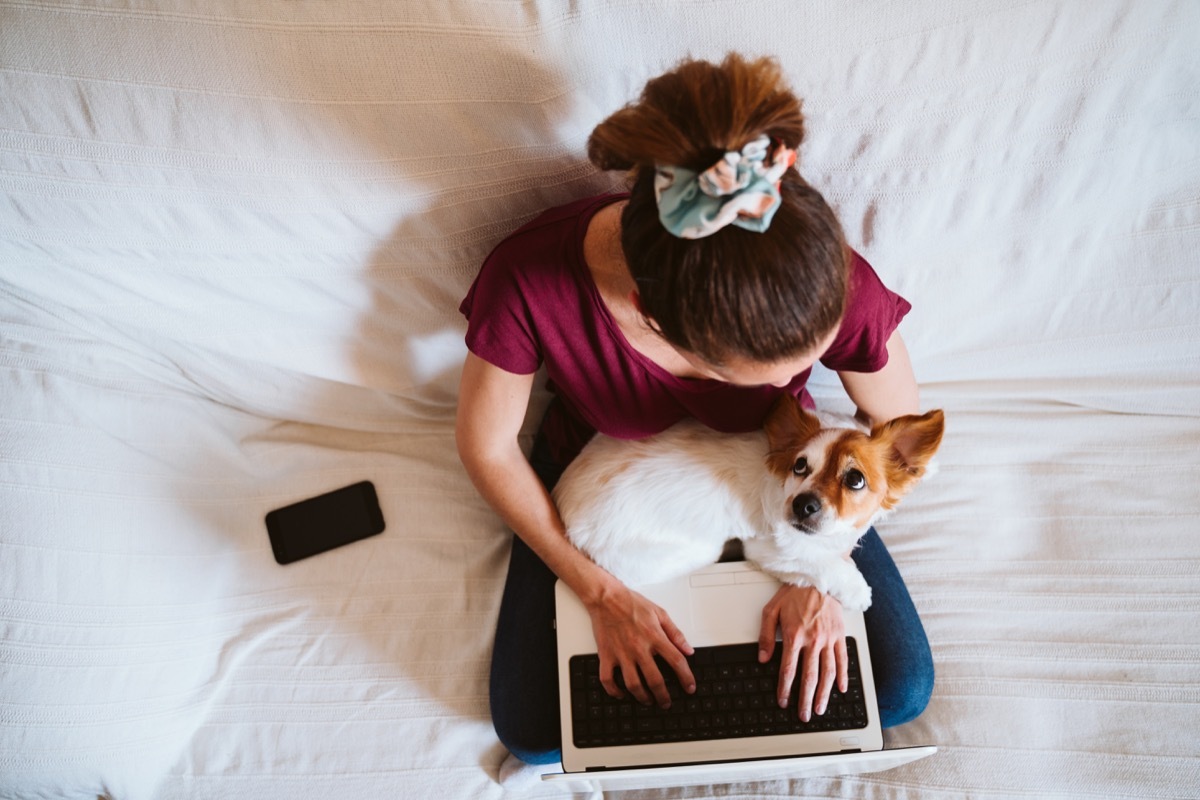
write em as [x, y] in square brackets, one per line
[848, 585]
[833, 576]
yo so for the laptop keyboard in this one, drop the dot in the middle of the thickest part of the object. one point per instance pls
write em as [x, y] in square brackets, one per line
[734, 698]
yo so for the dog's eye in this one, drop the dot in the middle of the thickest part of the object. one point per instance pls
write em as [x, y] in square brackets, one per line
[801, 466]
[855, 480]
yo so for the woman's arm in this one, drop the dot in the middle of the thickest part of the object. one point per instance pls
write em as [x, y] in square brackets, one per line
[889, 393]
[629, 629]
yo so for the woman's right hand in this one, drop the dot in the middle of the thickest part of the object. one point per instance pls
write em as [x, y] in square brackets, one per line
[630, 631]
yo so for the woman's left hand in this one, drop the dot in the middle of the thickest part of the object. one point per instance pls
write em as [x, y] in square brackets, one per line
[814, 640]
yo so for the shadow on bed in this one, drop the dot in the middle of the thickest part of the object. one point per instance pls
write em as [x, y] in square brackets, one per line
[398, 626]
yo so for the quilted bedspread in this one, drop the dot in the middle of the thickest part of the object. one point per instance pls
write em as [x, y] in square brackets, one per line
[233, 238]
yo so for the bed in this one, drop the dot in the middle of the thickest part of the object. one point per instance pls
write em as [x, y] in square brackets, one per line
[233, 238]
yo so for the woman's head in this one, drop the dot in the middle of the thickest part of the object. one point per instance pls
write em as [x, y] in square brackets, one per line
[737, 294]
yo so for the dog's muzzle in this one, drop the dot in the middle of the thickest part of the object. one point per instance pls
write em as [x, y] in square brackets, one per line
[805, 506]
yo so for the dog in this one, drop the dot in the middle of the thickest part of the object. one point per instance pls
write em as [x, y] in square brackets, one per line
[798, 494]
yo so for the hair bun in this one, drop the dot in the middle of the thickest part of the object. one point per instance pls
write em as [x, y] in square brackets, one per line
[690, 116]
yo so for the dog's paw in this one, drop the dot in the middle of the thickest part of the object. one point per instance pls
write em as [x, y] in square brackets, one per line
[854, 595]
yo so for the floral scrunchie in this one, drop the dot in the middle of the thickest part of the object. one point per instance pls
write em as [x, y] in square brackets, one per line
[740, 189]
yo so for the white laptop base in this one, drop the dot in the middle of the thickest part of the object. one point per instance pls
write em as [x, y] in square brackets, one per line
[720, 604]
[736, 771]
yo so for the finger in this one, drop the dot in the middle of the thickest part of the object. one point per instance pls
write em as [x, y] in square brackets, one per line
[682, 669]
[787, 672]
[843, 665]
[675, 635]
[653, 680]
[633, 683]
[766, 634]
[825, 682]
[674, 656]
[809, 667]
[608, 680]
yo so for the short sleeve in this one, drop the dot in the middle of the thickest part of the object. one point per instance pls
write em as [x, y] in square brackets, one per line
[500, 327]
[873, 312]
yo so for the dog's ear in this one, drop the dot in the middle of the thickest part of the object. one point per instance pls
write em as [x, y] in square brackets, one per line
[910, 442]
[788, 426]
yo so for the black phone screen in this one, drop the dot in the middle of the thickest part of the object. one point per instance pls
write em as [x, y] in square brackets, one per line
[324, 522]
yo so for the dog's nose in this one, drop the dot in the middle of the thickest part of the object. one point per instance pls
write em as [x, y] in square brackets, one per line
[805, 505]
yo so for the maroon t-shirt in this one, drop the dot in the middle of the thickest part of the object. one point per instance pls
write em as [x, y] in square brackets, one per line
[534, 302]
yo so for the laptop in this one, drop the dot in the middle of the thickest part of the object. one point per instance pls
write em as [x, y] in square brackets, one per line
[721, 736]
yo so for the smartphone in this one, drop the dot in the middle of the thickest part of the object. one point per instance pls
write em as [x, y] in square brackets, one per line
[324, 522]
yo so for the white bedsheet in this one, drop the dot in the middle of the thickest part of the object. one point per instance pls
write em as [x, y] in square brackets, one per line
[233, 237]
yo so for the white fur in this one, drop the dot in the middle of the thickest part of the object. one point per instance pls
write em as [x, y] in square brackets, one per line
[661, 507]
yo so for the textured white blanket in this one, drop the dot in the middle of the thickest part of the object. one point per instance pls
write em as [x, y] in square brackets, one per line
[233, 238]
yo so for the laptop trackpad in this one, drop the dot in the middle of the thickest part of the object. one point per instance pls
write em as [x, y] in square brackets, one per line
[728, 607]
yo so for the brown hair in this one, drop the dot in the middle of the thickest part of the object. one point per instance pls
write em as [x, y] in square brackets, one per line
[764, 296]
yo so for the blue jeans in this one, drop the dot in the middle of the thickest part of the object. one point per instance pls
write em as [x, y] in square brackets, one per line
[524, 675]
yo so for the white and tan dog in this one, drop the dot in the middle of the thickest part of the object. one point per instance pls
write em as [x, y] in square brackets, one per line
[798, 494]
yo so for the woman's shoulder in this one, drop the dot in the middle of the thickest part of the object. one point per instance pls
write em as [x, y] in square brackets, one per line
[566, 221]
[873, 312]
[547, 251]
[866, 289]
[531, 284]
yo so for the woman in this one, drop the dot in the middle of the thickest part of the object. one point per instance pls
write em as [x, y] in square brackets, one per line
[709, 289]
